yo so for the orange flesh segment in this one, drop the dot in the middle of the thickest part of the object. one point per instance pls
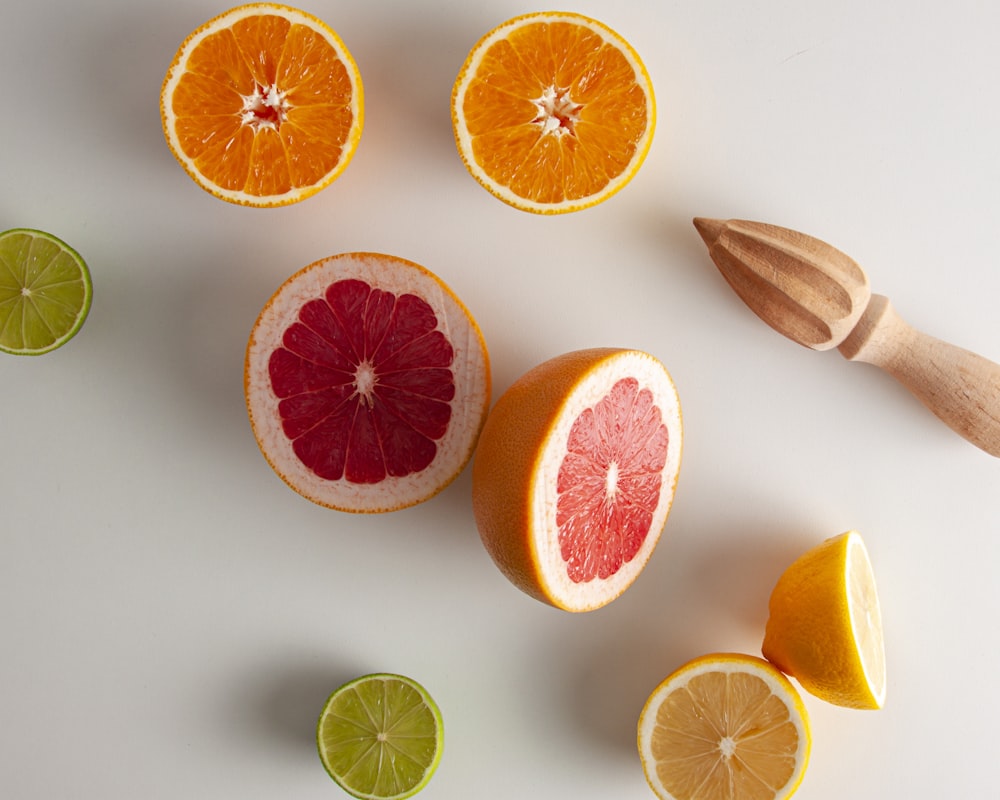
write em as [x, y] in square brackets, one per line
[501, 112]
[255, 54]
[744, 748]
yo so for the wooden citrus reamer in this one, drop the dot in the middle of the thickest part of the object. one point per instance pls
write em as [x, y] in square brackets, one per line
[819, 297]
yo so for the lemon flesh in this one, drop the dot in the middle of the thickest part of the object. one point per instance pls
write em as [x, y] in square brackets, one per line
[45, 292]
[724, 725]
[866, 617]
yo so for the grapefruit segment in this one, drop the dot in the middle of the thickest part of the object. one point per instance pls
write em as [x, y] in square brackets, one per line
[367, 382]
[575, 473]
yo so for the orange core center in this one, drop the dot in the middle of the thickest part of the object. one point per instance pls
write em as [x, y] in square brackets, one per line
[265, 108]
[557, 113]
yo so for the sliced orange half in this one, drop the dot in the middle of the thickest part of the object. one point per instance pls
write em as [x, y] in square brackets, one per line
[724, 726]
[263, 105]
[553, 112]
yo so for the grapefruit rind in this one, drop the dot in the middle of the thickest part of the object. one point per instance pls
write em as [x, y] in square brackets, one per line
[464, 141]
[179, 66]
[518, 458]
[471, 371]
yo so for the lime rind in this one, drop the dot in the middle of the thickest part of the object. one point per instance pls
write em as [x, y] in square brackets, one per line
[45, 292]
[380, 737]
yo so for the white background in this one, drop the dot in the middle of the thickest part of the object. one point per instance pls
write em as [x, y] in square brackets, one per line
[172, 617]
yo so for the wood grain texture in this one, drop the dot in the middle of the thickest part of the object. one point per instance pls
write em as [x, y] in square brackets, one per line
[820, 298]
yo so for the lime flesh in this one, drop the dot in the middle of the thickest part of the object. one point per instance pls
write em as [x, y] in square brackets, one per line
[380, 737]
[45, 292]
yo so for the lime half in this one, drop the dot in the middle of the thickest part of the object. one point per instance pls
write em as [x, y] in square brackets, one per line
[45, 292]
[380, 737]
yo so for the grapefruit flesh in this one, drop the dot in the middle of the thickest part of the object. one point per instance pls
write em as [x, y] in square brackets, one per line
[359, 369]
[575, 473]
[367, 383]
[610, 481]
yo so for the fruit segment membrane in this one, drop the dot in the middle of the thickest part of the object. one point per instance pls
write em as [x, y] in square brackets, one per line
[380, 737]
[365, 383]
[609, 482]
[555, 97]
[553, 112]
[749, 741]
[253, 99]
[263, 105]
[724, 727]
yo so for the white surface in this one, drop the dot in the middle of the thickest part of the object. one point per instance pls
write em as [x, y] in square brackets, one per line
[174, 616]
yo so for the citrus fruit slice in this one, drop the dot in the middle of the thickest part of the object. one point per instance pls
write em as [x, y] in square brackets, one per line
[380, 737]
[553, 112]
[367, 382]
[825, 625]
[575, 473]
[724, 726]
[263, 105]
[45, 292]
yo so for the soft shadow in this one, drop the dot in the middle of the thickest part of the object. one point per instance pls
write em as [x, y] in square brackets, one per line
[671, 234]
[183, 339]
[408, 73]
[280, 705]
[126, 58]
[710, 599]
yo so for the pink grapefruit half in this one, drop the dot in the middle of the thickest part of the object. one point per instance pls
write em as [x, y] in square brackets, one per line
[367, 383]
[575, 473]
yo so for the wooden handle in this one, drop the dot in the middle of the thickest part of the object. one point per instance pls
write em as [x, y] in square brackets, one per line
[960, 387]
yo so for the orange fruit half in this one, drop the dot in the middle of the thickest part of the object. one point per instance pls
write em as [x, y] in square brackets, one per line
[575, 474]
[367, 382]
[263, 105]
[724, 726]
[553, 112]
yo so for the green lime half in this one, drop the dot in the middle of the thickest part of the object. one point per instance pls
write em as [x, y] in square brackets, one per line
[380, 737]
[45, 292]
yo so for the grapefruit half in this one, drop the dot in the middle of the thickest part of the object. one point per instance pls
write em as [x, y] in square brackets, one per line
[575, 473]
[367, 383]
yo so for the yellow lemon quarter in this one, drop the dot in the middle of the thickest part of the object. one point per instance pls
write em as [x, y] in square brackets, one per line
[825, 624]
